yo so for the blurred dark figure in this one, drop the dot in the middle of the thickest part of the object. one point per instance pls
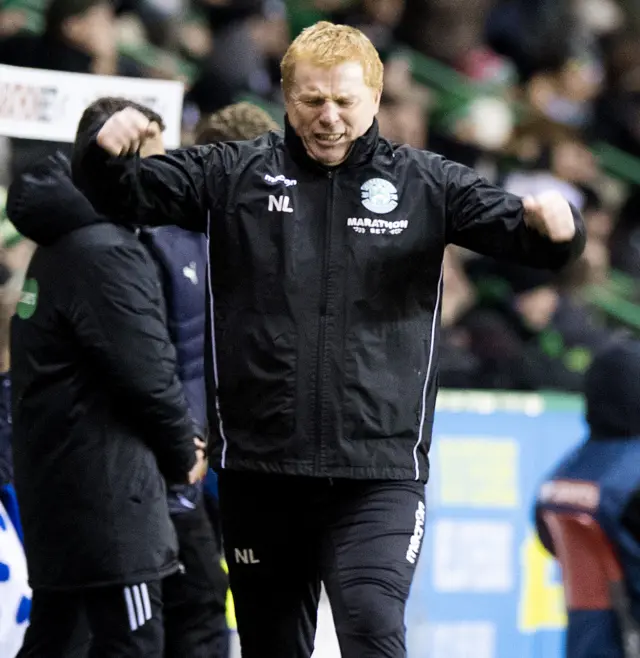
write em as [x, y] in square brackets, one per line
[535, 34]
[378, 19]
[625, 237]
[443, 29]
[588, 510]
[530, 333]
[617, 114]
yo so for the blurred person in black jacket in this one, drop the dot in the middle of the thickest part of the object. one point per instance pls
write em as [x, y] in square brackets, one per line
[99, 417]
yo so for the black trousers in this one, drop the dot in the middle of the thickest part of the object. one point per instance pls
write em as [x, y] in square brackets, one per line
[284, 535]
[194, 599]
[124, 622]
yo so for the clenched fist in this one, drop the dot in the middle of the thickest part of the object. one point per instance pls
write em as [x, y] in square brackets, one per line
[126, 131]
[549, 213]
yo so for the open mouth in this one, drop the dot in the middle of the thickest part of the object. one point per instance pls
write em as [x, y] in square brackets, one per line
[328, 139]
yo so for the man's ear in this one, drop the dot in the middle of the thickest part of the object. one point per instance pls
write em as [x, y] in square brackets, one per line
[376, 99]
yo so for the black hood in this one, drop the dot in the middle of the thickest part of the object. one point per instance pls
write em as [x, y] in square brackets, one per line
[44, 205]
[612, 389]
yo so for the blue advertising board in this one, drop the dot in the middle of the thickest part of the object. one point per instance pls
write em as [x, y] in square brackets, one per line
[485, 587]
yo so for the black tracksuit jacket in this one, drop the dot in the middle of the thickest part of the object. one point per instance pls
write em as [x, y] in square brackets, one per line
[325, 288]
[99, 415]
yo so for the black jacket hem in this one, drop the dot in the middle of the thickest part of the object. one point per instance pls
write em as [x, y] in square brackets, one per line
[146, 576]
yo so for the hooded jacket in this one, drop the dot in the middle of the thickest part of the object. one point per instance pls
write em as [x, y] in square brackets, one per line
[99, 415]
[324, 288]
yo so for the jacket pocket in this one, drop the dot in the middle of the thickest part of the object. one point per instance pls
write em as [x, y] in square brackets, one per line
[385, 370]
[257, 358]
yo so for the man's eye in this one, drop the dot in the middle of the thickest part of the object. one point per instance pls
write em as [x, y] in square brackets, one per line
[315, 102]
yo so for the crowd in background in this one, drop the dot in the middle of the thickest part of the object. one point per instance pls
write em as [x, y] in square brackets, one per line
[534, 94]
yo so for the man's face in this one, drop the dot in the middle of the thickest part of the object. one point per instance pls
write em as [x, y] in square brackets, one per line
[329, 108]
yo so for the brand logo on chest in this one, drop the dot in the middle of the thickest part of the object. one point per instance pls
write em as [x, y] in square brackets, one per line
[379, 196]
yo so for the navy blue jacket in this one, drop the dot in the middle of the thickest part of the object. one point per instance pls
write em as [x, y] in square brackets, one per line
[181, 257]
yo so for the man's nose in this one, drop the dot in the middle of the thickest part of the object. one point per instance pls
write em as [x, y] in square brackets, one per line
[330, 114]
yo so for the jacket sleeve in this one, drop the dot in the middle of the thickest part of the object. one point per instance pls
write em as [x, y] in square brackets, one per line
[180, 187]
[117, 318]
[487, 219]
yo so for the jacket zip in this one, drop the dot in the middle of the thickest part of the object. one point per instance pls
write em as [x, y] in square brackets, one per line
[320, 370]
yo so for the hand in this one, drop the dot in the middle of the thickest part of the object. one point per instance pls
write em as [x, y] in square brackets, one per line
[199, 469]
[125, 131]
[549, 213]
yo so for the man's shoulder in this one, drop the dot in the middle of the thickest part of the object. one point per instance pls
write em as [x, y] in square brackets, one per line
[409, 162]
[262, 146]
[404, 153]
[104, 247]
[233, 157]
[100, 237]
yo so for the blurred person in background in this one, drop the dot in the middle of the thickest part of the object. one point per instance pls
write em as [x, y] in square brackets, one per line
[15, 593]
[99, 417]
[617, 109]
[195, 599]
[250, 37]
[531, 331]
[80, 37]
[378, 19]
[600, 479]
[624, 240]
[318, 366]
[15, 256]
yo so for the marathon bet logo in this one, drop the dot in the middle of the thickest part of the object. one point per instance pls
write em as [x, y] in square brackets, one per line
[28, 299]
[418, 533]
[377, 226]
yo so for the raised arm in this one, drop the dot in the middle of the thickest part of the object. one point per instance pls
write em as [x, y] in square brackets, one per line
[179, 187]
[544, 232]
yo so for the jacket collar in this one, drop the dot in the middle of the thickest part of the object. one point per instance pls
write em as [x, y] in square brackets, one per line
[361, 151]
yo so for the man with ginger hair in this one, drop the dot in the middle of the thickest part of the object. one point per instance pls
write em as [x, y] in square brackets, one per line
[324, 294]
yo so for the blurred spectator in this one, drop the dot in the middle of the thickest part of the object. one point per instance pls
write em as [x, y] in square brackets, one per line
[443, 29]
[237, 122]
[617, 118]
[80, 37]
[587, 510]
[625, 238]
[376, 18]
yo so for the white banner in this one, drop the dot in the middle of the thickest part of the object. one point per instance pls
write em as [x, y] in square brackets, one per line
[47, 105]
